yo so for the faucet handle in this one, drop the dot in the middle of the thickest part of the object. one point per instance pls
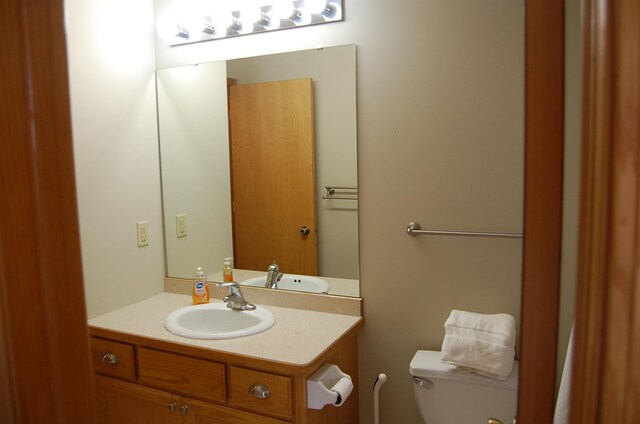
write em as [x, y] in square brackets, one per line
[230, 284]
[234, 289]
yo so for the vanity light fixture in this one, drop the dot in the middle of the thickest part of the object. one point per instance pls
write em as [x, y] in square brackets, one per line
[256, 18]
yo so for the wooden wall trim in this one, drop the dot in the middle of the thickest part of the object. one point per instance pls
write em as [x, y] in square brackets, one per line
[606, 375]
[44, 352]
[544, 144]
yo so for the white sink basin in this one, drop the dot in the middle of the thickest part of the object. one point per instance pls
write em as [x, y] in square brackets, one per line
[216, 321]
[304, 283]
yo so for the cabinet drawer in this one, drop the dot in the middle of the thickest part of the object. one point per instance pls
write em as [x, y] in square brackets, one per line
[194, 377]
[113, 359]
[279, 400]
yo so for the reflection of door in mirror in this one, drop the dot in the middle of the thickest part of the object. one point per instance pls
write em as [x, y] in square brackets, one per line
[273, 175]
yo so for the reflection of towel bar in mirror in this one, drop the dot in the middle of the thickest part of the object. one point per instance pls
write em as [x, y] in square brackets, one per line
[344, 192]
[414, 229]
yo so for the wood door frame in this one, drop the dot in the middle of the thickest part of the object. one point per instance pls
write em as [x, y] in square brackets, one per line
[606, 372]
[45, 363]
[544, 145]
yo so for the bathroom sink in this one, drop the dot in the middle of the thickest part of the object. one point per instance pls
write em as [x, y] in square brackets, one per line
[216, 321]
[304, 283]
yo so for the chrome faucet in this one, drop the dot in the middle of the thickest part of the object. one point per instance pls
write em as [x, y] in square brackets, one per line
[235, 300]
[273, 276]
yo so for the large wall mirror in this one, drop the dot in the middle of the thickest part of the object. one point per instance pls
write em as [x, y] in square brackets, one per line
[248, 147]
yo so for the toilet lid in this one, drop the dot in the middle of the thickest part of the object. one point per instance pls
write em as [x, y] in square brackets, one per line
[427, 364]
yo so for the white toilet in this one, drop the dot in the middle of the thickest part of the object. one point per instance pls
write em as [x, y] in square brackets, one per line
[447, 396]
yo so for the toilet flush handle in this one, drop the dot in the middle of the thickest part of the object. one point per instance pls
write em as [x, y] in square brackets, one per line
[427, 384]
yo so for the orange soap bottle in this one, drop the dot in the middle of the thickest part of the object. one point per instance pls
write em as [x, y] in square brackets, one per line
[200, 292]
[227, 270]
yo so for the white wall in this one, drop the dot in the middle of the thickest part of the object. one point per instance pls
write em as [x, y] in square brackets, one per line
[111, 67]
[440, 124]
[194, 140]
[334, 89]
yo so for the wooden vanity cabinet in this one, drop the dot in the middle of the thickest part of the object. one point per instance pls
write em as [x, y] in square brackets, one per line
[142, 380]
[122, 402]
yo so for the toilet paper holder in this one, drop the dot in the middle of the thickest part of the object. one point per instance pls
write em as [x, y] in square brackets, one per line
[328, 386]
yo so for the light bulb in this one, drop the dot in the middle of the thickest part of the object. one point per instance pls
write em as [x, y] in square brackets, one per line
[301, 17]
[270, 21]
[247, 18]
[221, 22]
[315, 7]
[332, 12]
[282, 9]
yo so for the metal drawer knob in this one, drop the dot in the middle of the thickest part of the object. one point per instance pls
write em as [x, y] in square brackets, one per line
[259, 391]
[304, 231]
[110, 358]
[172, 406]
[183, 408]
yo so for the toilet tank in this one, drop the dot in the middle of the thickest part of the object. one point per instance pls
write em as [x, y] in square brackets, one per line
[448, 396]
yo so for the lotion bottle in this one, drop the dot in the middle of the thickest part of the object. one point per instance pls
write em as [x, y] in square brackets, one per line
[200, 292]
[227, 270]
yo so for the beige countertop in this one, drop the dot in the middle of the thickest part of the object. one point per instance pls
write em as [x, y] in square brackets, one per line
[297, 337]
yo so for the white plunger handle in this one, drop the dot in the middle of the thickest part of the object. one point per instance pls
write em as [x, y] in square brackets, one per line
[376, 390]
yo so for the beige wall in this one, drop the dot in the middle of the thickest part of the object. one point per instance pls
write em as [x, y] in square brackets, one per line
[334, 73]
[194, 140]
[111, 68]
[440, 124]
[573, 101]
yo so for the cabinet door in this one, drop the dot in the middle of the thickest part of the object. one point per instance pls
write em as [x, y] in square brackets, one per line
[207, 413]
[125, 403]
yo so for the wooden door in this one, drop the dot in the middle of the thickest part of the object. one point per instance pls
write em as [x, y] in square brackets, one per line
[121, 403]
[273, 175]
[45, 363]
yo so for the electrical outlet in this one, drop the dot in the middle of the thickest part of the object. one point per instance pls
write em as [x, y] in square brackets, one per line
[181, 225]
[142, 228]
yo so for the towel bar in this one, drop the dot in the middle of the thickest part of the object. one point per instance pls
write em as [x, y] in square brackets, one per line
[349, 192]
[414, 229]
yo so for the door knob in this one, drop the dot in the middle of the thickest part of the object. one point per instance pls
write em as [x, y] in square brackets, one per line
[304, 230]
[497, 421]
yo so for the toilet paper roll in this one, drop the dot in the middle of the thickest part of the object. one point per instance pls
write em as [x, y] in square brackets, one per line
[343, 388]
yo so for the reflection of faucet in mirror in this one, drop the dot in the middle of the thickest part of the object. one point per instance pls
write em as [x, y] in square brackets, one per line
[235, 300]
[273, 276]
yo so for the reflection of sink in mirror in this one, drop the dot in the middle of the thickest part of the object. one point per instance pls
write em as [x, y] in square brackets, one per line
[216, 321]
[304, 283]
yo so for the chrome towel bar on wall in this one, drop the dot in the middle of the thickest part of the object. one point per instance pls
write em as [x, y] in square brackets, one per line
[414, 229]
[341, 192]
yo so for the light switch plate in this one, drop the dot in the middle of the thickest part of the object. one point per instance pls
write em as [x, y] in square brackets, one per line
[181, 225]
[142, 228]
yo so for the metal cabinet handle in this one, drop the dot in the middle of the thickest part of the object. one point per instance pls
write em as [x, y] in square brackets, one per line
[304, 230]
[110, 358]
[172, 406]
[183, 408]
[259, 391]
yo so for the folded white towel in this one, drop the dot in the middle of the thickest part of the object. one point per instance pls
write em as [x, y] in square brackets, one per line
[481, 343]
